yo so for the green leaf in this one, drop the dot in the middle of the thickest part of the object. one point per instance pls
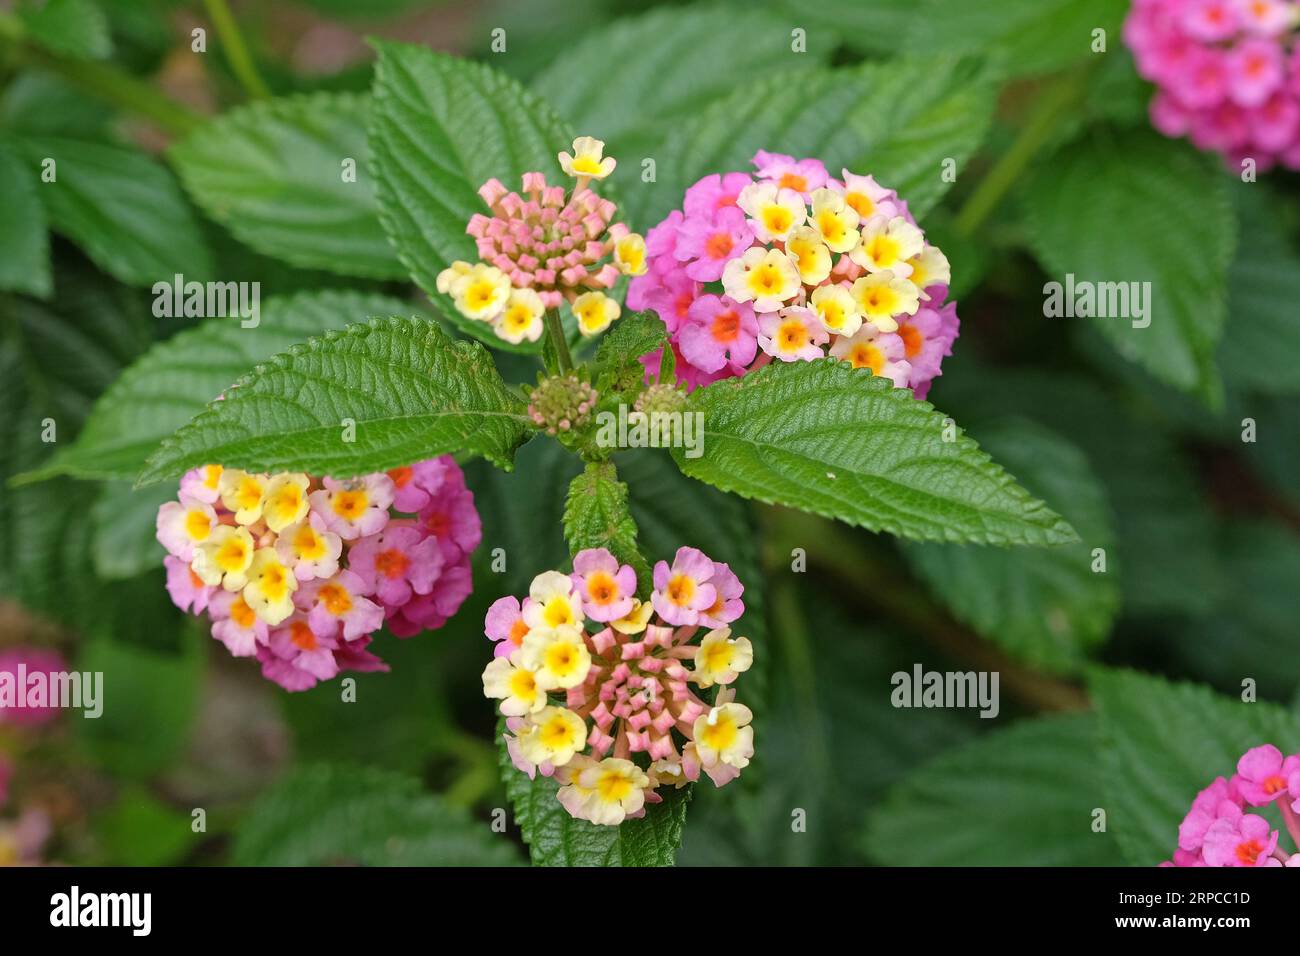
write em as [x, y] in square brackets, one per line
[362, 816]
[147, 696]
[824, 437]
[555, 838]
[408, 390]
[140, 830]
[596, 516]
[1161, 743]
[626, 83]
[1047, 608]
[123, 543]
[177, 378]
[122, 207]
[1018, 36]
[898, 121]
[24, 233]
[1137, 207]
[616, 356]
[440, 127]
[75, 28]
[1023, 796]
[272, 172]
[1261, 345]
[874, 27]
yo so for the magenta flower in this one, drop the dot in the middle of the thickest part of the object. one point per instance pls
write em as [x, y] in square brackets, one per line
[23, 660]
[415, 485]
[927, 338]
[712, 194]
[305, 648]
[428, 612]
[505, 625]
[186, 589]
[1246, 841]
[337, 602]
[452, 518]
[1256, 71]
[400, 561]
[1219, 799]
[1262, 774]
[683, 591]
[727, 605]
[801, 175]
[607, 588]
[719, 331]
[706, 246]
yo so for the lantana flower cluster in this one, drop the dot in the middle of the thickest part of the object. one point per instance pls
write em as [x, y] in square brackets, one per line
[543, 246]
[300, 572]
[792, 264]
[1221, 830]
[1227, 72]
[596, 685]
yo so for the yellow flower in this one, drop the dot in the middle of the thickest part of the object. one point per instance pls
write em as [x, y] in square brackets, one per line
[243, 494]
[557, 656]
[839, 312]
[553, 736]
[629, 254]
[521, 318]
[929, 267]
[478, 291]
[515, 686]
[720, 658]
[835, 221]
[881, 296]
[767, 277]
[723, 735]
[270, 587]
[635, 621]
[810, 254]
[595, 312]
[586, 161]
[224, 558]
[285, 502]
[774, 213]
[553, 602]
[887, 244]
[615, 790]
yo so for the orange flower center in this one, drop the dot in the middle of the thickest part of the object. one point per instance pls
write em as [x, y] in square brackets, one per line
[718, 245]
[392, 563]
[302, 636]
[726, 326]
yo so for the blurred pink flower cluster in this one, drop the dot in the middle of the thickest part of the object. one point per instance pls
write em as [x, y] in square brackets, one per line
[1219, 830]
[792, 264]
[1227, 72]
[300, 572]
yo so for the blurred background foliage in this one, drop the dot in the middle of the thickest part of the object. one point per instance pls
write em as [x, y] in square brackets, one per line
[1121, 690]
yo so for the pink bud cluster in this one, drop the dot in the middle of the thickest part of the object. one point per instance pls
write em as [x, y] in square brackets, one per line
[849, 275]
[1219, 830]
[300, 572]
[548, 240]
[1227, 74]
[625, 719]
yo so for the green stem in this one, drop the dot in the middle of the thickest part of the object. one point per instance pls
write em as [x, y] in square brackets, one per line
[237, 55]
[1059, 99]
[555, 332]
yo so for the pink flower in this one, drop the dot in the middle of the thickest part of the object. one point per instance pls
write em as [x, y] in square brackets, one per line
[25, 662]
[727, 605]
[505, 624]
[396, 563]
[202, 484]
[1262, 774]
[1266, 18]
[1219, 800]
[672, 300]
[304, 648]
[1275, 124]
[1246, 841]
[340, 600]
[792, 335]
[607, 588]
[1210, 20]
[353, 656]
[707, 246]
[353, 509]
[451, 517]
[1204, 80]
[236, 625]
[801, 175]
[683, 591]
[1254, 71]
[719, 331]
[414, 485]
[183, 524]
[186, 589]
[427, 612]
[927, 339]
[689, 375]
[714, 193]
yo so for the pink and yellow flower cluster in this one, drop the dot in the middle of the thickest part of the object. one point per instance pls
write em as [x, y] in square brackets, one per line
[792, 264]
[1220, 830]
[1227, 72]
[300, 572]
[596, 685]
[543, 247]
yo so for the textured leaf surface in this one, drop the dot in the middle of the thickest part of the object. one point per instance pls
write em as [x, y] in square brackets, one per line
[24, 231]
[177, 378]
[1047, 608]
[897, 121]
[411, 392]
[440, 128]
[555, 838]
[122, 207]
[362, 816]
[1162, 742]
[596, 516]
[824, 437]
[272, 173]
[1140, 208]
[1023, 796]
